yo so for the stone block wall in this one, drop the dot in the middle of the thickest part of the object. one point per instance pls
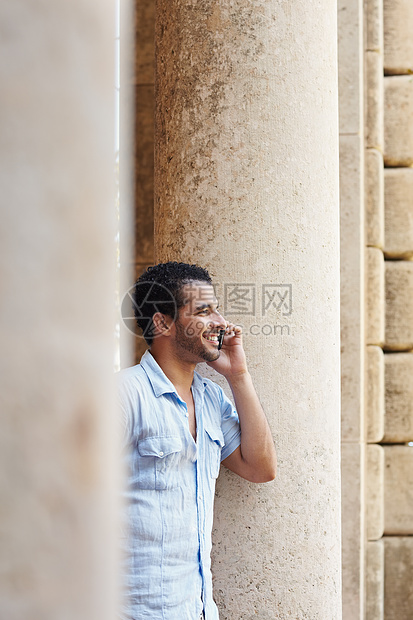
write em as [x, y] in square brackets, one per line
[398, 196]
[389, 294]
[398, 582]
[398, 40]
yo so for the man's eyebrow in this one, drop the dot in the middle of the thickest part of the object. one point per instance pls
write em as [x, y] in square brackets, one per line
[203, 306]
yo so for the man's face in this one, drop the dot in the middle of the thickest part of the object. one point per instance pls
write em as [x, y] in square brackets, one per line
[198, 324]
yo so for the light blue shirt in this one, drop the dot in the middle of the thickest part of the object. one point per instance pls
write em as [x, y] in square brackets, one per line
[169, 495]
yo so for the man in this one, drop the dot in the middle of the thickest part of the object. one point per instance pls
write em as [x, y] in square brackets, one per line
[179, 427]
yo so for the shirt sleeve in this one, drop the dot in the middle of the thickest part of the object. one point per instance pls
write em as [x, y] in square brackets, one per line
[126, 413]
[229, 426]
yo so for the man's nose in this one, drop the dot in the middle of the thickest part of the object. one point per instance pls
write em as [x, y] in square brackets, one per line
[219, 320]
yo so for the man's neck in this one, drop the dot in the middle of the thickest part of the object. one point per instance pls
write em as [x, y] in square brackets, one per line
[179, 372]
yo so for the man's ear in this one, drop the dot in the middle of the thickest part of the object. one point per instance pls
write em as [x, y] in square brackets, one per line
[162, 324]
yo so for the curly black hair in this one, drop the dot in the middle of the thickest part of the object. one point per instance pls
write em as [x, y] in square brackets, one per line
[159, 289]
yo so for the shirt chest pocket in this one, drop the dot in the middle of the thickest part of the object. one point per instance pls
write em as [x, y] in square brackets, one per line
[158, 462]
[214, 440]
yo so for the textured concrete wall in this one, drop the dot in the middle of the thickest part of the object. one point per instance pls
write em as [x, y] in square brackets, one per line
[57, 535]
[352, 266]
[238, 189]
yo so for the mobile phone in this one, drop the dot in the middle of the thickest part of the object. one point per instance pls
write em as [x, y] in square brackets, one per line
[221, 338]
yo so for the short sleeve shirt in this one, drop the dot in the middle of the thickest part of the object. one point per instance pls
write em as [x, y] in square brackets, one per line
[169, 492]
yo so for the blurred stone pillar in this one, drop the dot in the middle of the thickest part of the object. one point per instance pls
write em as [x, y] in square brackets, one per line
[246, 184]
[58, 461]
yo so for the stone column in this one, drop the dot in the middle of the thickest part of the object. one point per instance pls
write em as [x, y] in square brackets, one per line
[246, 184]
[57, 449]
[351, 105]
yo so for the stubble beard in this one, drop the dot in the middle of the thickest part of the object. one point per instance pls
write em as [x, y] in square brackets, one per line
[191, 344]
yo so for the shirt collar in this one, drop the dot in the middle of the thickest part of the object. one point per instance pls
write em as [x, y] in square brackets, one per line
[160, 382]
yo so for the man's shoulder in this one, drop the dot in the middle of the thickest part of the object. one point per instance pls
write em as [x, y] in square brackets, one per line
[125, 374]
[132, 376]
[133, 390]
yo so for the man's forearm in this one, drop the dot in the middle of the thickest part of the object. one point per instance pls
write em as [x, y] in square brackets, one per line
[257, 446]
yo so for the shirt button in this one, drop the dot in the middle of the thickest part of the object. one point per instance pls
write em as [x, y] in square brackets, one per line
[160, 453]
